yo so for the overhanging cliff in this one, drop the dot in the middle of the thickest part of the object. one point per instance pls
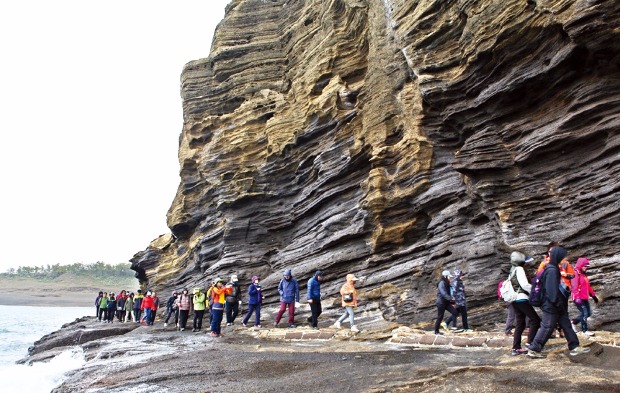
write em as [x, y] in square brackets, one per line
[395, 139]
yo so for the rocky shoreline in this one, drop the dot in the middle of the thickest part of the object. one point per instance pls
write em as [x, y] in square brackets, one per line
[383, 357]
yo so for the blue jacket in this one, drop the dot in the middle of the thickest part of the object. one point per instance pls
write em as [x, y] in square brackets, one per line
[314, 289]
[254, 295]
[288, 290]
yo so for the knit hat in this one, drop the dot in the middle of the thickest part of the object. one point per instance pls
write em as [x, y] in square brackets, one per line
[445, 273]
[254, 278]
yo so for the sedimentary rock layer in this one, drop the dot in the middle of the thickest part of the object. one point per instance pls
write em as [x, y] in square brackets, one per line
[395, 139]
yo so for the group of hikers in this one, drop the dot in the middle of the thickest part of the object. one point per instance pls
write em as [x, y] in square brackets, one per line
[127, 307]
[553, 284]
[224, 299]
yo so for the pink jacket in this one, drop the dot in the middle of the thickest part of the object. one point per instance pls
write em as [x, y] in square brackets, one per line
[580, 284]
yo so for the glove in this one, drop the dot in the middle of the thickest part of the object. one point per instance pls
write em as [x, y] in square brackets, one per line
[595, 299]
[239, 302]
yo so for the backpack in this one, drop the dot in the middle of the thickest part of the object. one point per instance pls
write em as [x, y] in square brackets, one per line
[506, 290]
[499, 287]
[536, 295]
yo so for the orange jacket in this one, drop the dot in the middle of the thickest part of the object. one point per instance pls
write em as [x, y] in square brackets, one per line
[219, 294]
[348, 288]
[566, 270]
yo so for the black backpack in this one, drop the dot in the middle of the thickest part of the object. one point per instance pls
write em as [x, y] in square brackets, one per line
[536, 294]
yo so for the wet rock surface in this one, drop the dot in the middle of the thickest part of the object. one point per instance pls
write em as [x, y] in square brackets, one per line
[377, 359]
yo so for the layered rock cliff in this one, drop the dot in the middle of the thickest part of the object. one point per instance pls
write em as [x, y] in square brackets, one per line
[396, 139]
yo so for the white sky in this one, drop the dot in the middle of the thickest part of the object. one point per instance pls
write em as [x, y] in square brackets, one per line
[90, 116]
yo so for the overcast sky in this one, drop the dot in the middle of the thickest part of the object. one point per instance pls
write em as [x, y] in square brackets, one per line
[90, 117]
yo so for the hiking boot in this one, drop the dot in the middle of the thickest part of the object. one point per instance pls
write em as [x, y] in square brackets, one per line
[516, 352]
[354, 329]
[579, 351]
[182, 329]
[229, 324]
[275, 324]
[588, 333]
[258, 326]
[444, 326]
[438, 333]
[535, 354]
[337, 325]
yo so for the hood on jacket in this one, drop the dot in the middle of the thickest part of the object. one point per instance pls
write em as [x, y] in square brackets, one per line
[287, 272]
[318, 273]
[351, 277]
[517, 258]
[557, 254]
[581, 263]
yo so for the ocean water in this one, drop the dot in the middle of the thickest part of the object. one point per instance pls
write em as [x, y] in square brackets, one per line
[20, 327]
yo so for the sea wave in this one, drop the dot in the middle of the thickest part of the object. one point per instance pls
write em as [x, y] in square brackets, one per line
[41, 376]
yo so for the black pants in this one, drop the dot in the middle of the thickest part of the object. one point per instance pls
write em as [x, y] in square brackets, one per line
[548, 324]
[169, 312]
[183, 315]
[103, 313]
[137, 313]
[316, 310]
[441, 309]
[232, 310]
[523, 311]
[111, 313]
[459, 310]
[198, 315]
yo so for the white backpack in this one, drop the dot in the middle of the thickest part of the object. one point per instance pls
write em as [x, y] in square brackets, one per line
[507, 291]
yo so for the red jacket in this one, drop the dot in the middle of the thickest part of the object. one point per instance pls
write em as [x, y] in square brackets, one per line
[147, 302]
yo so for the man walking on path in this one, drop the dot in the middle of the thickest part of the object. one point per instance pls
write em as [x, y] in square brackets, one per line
[314, 298]
[289, 295]
[554, 309]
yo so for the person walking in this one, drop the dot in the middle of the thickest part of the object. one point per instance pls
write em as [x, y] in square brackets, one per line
[582, 291]
[444, 301]
[199, 309]
[522, 307]
[129, 307]
[111, 308]
[255, 299]
[233, 301]
[314, 298]
[137, 306]
[120, 306]
[218, 303]
[554, 309]
[172, 307]
[183, 305]
[97, 301]
[147, 307]
[103, 308]
[348, 296]
[458, 294]
[289, 296]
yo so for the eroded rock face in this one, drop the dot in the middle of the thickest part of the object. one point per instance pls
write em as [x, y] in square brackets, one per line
[395, 139]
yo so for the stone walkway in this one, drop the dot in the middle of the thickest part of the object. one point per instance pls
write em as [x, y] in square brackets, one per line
[402, 335]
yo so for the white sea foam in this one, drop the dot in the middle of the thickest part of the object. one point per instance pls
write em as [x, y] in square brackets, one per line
[42, 376]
